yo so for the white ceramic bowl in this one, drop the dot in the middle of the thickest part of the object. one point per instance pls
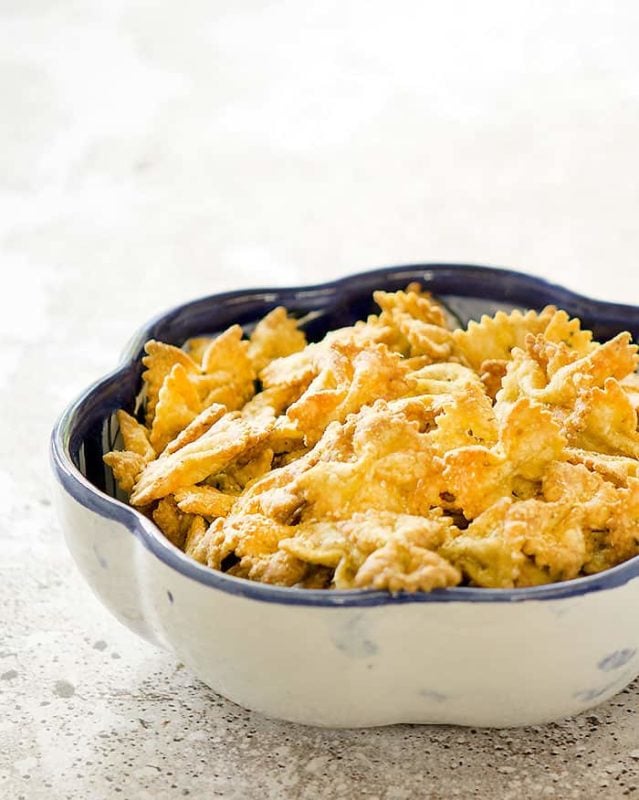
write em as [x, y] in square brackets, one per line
[356, 658]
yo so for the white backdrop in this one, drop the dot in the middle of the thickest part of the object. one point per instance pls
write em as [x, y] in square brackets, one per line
[151, 152]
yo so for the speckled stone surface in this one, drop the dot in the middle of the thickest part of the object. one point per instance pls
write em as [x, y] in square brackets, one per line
[151, 155]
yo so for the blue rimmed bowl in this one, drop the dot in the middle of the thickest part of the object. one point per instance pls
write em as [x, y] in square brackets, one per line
[347, 658]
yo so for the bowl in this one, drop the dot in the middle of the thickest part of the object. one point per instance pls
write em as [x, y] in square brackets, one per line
[464, 656]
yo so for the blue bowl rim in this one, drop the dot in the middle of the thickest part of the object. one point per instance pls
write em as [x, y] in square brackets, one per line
[92, 498]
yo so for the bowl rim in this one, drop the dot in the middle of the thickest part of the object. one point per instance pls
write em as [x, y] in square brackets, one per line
[75, 484]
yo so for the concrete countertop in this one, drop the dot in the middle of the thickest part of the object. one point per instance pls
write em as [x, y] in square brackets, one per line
[149, 155]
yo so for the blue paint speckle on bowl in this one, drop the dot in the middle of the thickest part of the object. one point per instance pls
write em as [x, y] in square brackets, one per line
[608, 689]
[586, 695]
[100, 558]
[431, 694]
[562, 610]
[170, 596]
[617, 659]
[353, 638]
[467, 290]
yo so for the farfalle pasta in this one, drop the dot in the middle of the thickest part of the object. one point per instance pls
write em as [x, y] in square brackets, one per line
[398, 454]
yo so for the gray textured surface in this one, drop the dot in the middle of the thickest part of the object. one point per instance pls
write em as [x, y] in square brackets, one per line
[149, 157]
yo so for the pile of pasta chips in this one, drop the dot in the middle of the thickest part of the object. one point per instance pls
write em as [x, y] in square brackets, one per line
[396, 454]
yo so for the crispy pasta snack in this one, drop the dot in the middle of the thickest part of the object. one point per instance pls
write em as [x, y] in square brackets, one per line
[398, 454]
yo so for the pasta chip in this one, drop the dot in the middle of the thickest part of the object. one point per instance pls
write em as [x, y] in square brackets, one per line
[442, 378]
[523, 543]
[275, 336]
[159, 361]
[477, 476]
[528, 375]
[349, 379]
[177, 406]
[616, 469]
[467, 419]
[205, 501]
[228, 374]
[196, 428]
[419, 323]
[605, 420]
[406, 567]
[172, 521]
[630, 385]
[378, 550]
[135, 436]
[395, 454]
[126, 467]
[375, 448]
[494, 338]
[196, 346]
[208, 455]
[127, 464]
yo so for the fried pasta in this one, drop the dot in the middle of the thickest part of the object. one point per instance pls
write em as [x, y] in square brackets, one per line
[398, 454]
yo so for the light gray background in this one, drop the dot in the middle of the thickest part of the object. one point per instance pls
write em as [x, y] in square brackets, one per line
[150, 153]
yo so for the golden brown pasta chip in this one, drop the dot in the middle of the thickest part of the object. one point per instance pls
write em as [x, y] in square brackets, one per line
[374, 448]
[379, 550]
[616, 469]
[126, 467]
[172, 521]
[127, 464]
[196, 346]
[493, 338]
[229, 376]
[519, 544]
[528, 374]
[208, 455]
[477, 476]
[135, 436]
[349, 379]
[397, 566]
[275, 336]
[419, 323]
[196, 428]
[159, 361]
[466, 419]
[177, 406]
[395, 454]
[604, 420]
[205, 501]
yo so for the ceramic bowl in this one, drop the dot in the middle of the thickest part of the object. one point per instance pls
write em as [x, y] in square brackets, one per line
[356, 658]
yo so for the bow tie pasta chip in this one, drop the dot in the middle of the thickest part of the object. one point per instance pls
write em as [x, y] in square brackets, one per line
[399, 454]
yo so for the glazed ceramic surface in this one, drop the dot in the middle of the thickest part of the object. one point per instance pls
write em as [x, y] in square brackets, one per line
[348, 658]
